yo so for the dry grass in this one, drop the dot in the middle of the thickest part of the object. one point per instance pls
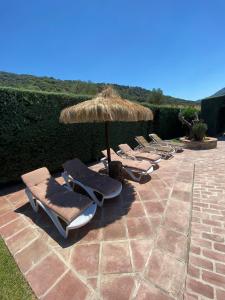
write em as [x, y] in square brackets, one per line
[106, 106]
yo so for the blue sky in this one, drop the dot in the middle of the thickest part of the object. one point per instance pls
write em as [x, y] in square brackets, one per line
[176, 45]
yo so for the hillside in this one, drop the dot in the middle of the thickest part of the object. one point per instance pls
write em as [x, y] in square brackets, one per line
[51, 84]
[219, 93]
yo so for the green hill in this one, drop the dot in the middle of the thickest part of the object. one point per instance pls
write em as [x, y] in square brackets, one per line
[51, 84]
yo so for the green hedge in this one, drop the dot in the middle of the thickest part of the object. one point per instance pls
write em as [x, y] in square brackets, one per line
[31, 135]
[166, 123]
[210, 113]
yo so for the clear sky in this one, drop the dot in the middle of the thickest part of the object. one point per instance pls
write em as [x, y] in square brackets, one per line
[176, 45]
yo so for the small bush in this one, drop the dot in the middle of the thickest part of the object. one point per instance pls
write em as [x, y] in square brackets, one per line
[189, 113]
[199, 131]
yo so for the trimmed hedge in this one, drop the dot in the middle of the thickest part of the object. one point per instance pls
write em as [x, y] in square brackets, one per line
[166, 123]
[210, 113]
[31, 135]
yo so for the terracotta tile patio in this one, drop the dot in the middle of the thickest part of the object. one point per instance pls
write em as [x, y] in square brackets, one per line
[161, 239]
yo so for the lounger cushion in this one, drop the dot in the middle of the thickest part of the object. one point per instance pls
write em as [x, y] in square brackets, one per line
[137, 165]
[68, 205]
[36, 177]
[151, 156]
[101, 183]
[162, 148]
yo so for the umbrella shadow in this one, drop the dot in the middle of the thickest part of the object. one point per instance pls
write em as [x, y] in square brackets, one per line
[113, 210]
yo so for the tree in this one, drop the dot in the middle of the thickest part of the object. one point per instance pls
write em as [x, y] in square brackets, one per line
[156, 96]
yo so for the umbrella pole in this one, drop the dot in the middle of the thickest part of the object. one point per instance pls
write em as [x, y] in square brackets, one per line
[107, 141]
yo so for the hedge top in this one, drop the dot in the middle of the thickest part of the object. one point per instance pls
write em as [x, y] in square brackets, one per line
[106, 106]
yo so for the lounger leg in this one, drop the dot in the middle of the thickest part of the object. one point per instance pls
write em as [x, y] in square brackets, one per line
[67, 180]
[55, 220]
[32, 200]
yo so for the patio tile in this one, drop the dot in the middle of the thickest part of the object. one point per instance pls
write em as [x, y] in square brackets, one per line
[93, 282]
[158, 185]
[172, 241]
[18, 196]
[147, 194]
[166, 272]
[8, 217]
[4, 206]
[114, 231]
[31, 255]
[115, 258]
[164, 193]
[117, 287]
[181, 195]
[12, 228]
[85, 259]
[69, 287]
[154, 207]
[139, 228]
[136, 210]
[44, 275]
[64, 252]
[177, 215]
[91, 232]
[18, 241]
[149, 292]
[140, 250]
[156, 222]
[182, 186]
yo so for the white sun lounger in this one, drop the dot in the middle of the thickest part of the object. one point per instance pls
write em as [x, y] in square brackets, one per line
[131, 167]
[98, 186]
[60, 203]
[156, 139]
[126, 150]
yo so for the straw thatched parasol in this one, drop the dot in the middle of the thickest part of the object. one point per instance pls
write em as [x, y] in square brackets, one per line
[106, 107]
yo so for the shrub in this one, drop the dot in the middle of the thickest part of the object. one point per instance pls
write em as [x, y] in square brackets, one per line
[189, 113]
[199, 131]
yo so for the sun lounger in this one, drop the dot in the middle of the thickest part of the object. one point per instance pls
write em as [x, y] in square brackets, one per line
[60, 203]
[126, 150]
[131, 167]
[156, 139]
[164, 151]
[98, 186]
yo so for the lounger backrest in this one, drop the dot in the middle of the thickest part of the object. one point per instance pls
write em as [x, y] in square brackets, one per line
[112, 152]
[125, 148]
[36, 177]
[141, 141]
[76, 168]
[155, 137]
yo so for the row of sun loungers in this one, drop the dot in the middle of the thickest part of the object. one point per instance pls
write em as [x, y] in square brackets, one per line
[69, 209]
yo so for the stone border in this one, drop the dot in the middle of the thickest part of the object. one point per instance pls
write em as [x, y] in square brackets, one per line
[208, 143]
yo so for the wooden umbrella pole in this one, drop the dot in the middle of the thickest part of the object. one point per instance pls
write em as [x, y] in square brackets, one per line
[107, 141]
